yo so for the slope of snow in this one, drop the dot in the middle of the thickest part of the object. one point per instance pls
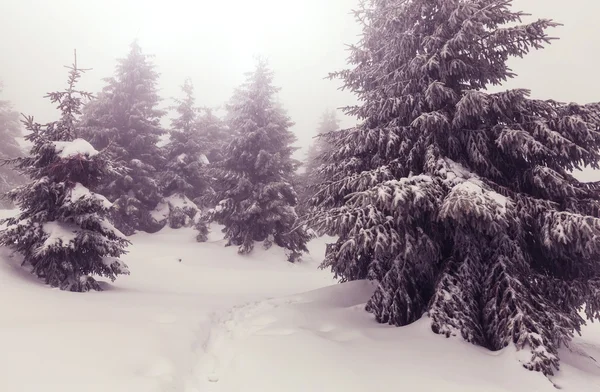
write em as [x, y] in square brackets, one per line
[200, 318]
[325, 341]
[146, 331]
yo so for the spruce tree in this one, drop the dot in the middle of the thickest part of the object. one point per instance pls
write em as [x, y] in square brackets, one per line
[328, 123]
[62, 228]
[10, 129]
[256, 198]
[460, 202]
[309, 179]
[125, 119]
[214, 132]
[184, 178]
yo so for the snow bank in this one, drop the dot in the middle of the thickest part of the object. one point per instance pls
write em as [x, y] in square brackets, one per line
[74, 148]
[324, 341]
[195, 317]
[146, 331]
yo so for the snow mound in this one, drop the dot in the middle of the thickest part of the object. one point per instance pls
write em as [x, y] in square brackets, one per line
[74, 148]
[325, 341]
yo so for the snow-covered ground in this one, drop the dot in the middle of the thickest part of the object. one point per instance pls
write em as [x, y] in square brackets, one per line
[200, 318]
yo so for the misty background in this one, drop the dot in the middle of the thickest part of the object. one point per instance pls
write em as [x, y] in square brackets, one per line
[216, 42]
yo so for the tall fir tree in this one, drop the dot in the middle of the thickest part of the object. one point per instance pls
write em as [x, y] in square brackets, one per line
[10, 129]
[215, 133]
[459, 202]
[184, 180]
[256, 199]
[62, 228]
[125, 119]
[329, 123]
[310, 179]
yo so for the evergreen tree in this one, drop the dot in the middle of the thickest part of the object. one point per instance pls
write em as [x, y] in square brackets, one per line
[459, 202]
[257, 200]
[215, 134]
[308, 180]
[10, 129]
[125, 120]
[62, 229]
[329, 123]
[184, 178]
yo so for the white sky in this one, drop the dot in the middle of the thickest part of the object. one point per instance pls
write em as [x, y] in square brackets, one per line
[214, 42]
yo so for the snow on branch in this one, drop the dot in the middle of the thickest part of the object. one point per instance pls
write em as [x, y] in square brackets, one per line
[80, 192]
[74, 148]
[60, 234]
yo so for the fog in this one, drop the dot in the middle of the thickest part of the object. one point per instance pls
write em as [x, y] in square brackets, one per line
[215, 42]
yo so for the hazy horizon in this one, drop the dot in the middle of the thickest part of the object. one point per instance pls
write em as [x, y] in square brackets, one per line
[215, 43]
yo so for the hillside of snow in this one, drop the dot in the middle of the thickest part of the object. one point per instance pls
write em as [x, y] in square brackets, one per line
[200, 318]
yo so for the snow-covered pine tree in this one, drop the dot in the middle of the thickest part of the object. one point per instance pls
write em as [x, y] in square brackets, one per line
[328, 123]
[256, 199]
[62, 228]
[125, 119]
[309, 179]
[460, 202]
[215, 133]
[184, 178]
[10, 129]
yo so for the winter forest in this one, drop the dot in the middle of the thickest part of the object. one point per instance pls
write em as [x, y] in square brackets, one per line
[435, 226]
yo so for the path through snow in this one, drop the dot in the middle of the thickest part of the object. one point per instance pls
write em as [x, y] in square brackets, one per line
[147, 331]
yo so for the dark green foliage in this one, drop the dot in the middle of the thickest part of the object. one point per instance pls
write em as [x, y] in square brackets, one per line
[62, 228]
[125, 120]
[184, 175]
[460, 203]
[215, 133]
[309, 180]
[186, 153]
[256, 198]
